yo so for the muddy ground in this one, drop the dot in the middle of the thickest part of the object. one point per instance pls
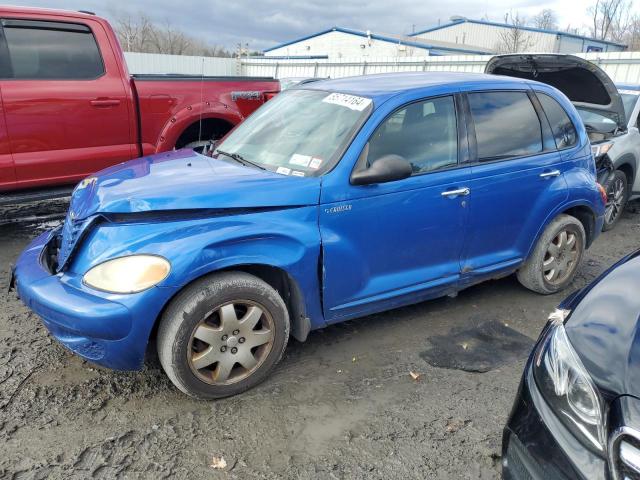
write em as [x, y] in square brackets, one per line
[341, 405]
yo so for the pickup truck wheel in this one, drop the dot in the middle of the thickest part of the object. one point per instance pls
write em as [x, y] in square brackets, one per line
[556, 256]
[222, 335]
[617, 196]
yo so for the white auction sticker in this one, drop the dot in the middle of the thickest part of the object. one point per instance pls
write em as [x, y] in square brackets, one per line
[300, 160]
[630, 92]
[296, 173]
[315, 163]
[283, 170]
[350, 101]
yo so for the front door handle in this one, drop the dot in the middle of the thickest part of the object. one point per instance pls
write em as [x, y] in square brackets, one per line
[552, 173]
[455, 193]
[105, 102]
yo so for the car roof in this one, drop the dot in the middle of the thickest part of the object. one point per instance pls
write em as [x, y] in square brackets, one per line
[17, 11]
[382, 86]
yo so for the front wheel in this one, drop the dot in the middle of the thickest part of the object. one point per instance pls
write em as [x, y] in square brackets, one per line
[222, 335]
[617, 196]
[556, 256]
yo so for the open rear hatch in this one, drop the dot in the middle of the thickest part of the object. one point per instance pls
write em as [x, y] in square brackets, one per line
[587, 86]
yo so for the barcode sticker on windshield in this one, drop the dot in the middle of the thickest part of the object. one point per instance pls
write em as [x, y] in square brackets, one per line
[630, 92]
[296, 173]
[315, 163]
[283, 170]
[350, 101]
[301, 160]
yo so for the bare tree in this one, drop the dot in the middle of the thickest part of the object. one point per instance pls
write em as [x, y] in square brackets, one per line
[546, 20]
[609, 19]
[631, 35]
[514, 39]
[138, 33]
[133, 33]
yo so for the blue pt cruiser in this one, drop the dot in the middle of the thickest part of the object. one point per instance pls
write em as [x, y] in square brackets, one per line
[334, 200]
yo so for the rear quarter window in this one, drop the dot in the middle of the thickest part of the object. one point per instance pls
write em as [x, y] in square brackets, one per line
[564, 132]
[506, 125]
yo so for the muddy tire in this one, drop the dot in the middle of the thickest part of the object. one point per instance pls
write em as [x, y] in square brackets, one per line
[556, 256]
[617, 195]
[222, 335]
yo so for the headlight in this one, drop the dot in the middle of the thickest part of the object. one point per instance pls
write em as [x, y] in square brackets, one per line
[128, 274]
[567, 387]
[600, 149]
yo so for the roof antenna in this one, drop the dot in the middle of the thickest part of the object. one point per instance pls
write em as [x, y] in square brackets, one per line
[201, 102]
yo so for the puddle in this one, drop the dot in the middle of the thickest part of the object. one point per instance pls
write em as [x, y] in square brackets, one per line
[482, 348]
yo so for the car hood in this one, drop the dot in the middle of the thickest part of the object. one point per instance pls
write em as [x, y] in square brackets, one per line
[604, 328]
[185, 181]
[584, 83]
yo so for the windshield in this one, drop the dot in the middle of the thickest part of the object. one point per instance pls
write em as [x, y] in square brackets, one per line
[298, 132]
[596, 122]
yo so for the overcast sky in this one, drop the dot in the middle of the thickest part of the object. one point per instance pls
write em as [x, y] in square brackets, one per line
[263, 24]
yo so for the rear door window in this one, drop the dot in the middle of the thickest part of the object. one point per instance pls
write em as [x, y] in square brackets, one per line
[564, 132]
[424, 133]
[506, 125]
[51, 51]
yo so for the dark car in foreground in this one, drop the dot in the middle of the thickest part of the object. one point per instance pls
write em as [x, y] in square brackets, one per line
[577, 412]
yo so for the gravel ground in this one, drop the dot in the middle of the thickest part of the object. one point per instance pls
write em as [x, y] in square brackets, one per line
[341, 405]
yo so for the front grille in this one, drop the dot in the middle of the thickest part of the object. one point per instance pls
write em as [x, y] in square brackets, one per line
[516, 454]
[72, 231]
[624, 452]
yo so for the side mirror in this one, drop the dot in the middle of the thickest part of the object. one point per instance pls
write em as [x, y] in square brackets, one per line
[384, 169]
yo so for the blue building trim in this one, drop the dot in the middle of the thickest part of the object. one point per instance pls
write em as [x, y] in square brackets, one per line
[375, 36]
[530, 29]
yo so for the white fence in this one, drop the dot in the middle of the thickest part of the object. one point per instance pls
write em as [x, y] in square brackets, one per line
[623, 67]
[181, 64]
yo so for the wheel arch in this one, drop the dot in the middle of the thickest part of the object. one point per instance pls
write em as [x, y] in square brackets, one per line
[627, 164]
[191, 115]
[205, 128]
[276, 277]
[580, 210]
[587, 218]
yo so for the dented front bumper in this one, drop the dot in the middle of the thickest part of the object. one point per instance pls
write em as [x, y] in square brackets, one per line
[96, 325]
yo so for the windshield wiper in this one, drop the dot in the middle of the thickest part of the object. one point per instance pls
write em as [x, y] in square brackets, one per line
[240, 159]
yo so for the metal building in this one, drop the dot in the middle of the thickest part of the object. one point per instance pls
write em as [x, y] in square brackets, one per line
[493, 36]
[337, 42]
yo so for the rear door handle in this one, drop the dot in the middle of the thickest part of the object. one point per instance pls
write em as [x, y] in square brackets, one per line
[105, 102]
[455, 193]
[552, 173]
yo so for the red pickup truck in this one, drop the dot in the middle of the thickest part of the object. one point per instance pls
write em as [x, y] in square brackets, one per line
[70, 107]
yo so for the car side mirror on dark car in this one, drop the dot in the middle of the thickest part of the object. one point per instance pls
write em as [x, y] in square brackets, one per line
[385, 169]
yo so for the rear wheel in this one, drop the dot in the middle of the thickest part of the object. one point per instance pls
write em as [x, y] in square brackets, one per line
[200, 135]
[556, 256]
[223, 335]
[617, 195]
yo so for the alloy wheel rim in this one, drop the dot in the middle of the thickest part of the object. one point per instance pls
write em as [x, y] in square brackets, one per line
[230, 342]
[616, 199]
[561, 257]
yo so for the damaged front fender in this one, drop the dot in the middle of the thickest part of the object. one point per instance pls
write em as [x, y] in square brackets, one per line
[197, 243]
